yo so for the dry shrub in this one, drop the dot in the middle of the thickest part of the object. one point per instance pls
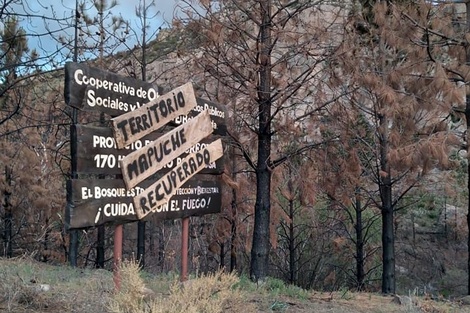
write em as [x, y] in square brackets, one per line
[211, 293]
[129, 298]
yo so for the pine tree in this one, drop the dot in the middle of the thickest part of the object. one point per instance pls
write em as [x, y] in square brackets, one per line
[405, 100]
[143, 10]
[444, 33]
[265, 59]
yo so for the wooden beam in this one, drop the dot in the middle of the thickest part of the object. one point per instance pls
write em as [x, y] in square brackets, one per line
[134, 125]
[144, 162]
[160, 192]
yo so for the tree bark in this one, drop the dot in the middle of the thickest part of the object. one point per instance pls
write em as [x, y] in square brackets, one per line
[360, 274]
[100, 247]
[467, 118]
[141, 224]
[261, 239]
[141, 243]
[161, 244]
[385, 185]
[73, 234]
[259, 269]
[8, 219]
[233, 249]
[292, 263]
[222, 256]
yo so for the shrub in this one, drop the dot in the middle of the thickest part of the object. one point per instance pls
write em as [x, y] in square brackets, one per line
[212, 293]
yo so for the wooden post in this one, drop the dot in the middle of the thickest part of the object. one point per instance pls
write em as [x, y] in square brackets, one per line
[73, 234]
[117, 257]
[184, 249]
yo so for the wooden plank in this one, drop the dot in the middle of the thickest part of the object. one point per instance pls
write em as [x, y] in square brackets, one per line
[216, 167]
[144, 162]
[160, 192]
[89, 88]
[96, 150]
[134, 125]
[94, 202]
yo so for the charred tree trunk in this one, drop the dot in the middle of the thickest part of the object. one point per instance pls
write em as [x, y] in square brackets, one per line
[360, 273]
[222, 256]
[467, 118]
[385, 186]
[259, 269]
[234, 219]
[8, 219]
[141, 224]
[100, 247]
[73, 234]
[161, 245]
[233, 249]
[141, 243]
[46, 242]
[151, 239]
[292, 263]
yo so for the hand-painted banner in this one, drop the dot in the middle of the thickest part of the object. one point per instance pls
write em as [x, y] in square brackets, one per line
[134, 125]
[160, 192]
[89, 88]
[94, 202]
[144, 162]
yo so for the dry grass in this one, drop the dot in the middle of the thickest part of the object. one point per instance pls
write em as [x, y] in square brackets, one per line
[22, 283]
[377, 303]
[211, 293]
[81, 290]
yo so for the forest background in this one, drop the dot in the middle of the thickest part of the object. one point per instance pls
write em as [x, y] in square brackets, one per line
[346, 161]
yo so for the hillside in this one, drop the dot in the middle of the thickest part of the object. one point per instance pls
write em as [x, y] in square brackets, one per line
[30, 286]
[328, 196]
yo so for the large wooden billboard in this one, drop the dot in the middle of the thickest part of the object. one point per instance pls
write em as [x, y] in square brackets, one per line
[161, 169]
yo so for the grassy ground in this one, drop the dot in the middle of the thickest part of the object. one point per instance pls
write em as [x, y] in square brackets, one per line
[29, 286]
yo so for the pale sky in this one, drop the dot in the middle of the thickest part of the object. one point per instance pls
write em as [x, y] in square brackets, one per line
[65, 9]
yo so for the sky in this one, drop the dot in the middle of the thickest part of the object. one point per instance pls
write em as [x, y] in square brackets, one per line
[42, 22]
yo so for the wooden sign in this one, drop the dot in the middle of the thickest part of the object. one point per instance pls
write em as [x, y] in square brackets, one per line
[90, 88]
[95, 202]
[139, 109]
[160, 192]
[96, 151]
[144, 162]
[217, 113]
[134, 125]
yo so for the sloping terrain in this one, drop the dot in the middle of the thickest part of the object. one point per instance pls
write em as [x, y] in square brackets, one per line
[29, 286]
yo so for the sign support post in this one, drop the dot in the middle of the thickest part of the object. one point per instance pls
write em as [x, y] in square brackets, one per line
[184, 248]
[117, 256]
